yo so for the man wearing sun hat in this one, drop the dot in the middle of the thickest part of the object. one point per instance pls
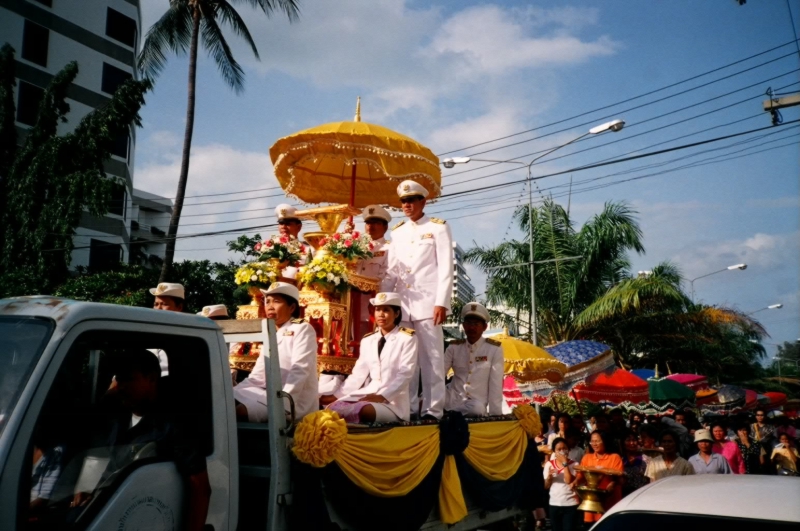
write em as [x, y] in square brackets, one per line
[169, 296]
[290, 225]
[477, 363]
[215, 312]
[376, 221]
[421, 271]
[705, 461]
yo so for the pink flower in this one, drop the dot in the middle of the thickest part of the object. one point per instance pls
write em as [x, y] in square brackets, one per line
[284, 239]
[258, 247]
[348, 243]
[302, 248]
[269, 243]
[336, 237]
[355, 234]
[370, 246]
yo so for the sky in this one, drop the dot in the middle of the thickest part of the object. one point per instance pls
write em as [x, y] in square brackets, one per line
[455, 74]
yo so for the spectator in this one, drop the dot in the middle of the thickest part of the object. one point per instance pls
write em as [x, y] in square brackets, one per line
[634, 463]
[559, 477]
[705, 461]
[753, 454]
[785, 456]
[761, 431]
[600, 456]
[563, 424]
[576, 451]
[577, 423]
[669, 463]
[728, 449]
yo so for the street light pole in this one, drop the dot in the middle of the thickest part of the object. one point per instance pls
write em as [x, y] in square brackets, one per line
[770, 307]
[740, 267]
[614, 125]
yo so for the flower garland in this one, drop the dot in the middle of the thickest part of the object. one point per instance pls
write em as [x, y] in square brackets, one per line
[351, 246]
[286, 249]
[326, 273]
[258, 274]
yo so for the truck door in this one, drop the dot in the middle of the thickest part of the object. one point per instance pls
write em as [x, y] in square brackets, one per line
[122, 422]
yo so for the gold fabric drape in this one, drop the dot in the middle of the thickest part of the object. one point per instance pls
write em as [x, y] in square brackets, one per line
[496, 449]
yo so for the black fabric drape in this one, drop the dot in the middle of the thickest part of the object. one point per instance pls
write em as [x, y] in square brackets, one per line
[367, 512]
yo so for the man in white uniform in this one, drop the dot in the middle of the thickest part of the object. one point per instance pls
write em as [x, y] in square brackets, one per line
[477, 363]
[421, 271]
[290, 225]
[169, 297]
[376, 221]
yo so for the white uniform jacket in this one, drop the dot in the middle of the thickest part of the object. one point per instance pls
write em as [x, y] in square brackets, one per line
[297, 350]
[421, 266]
[387, 375]
[377, 265]
[478, 377]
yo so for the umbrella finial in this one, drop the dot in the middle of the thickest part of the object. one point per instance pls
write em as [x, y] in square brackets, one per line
[358, 110]
[656, 376]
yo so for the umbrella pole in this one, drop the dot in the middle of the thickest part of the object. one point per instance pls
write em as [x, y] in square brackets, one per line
[353, 190]
[578, 402]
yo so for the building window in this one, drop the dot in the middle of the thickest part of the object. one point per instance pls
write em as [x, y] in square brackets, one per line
[119, 196]
[113, 77]
[30, 96]
[121, 145]
[35, 39]
[121, 28]
[103, 255]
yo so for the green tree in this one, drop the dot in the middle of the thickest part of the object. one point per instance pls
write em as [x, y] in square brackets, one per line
[179, 30]
[49, 180]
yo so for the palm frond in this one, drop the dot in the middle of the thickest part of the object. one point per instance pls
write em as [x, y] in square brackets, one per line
[218, 49]
[290, 7]
[173, 31]
[228, 15]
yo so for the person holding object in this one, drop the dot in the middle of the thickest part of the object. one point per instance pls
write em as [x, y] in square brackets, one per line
[377, 389]
[602, 456]
[297, 351]
[559, 478]
[421, 272]
[477, 363]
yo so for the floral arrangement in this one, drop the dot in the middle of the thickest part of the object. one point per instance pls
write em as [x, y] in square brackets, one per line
[325, 272]
[349, 245]
[285, 249]
[259, 274]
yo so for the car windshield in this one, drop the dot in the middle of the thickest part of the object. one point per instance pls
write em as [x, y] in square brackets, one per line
[23, 339]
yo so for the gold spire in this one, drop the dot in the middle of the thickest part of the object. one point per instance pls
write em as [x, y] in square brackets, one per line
[358, 110]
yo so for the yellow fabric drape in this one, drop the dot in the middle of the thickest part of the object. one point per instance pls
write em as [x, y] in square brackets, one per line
[390, 463]
[452, 506]
[496, 449]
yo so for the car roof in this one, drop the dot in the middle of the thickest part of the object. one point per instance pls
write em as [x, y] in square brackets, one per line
[730, 495]
[66, 312]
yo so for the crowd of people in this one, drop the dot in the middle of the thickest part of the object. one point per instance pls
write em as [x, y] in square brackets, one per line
[646, 448]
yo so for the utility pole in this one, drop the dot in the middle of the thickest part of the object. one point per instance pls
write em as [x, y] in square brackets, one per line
[774, 105]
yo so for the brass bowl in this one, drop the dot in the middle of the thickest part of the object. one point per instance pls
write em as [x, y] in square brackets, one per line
[591, 496]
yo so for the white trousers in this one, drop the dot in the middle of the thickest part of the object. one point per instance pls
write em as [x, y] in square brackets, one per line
[430, 364]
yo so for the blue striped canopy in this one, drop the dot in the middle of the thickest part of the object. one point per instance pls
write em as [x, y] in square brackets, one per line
[577, 351]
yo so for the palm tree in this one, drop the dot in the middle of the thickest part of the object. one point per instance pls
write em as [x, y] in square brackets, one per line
[180, 29]
[563, 287]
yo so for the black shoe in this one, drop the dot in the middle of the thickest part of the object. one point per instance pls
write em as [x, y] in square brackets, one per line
[429, 417]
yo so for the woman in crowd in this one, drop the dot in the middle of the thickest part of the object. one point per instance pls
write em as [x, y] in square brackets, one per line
[297, 351]
[635, 465]
[377, 389]
[599, 457]
[559, 477]
[784, 456]
[753, 454]
[563, 424]
[728, 449]
[669, 463]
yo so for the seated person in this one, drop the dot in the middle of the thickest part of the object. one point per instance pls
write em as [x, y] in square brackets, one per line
[145, 423]
[47, 462]
[297, 351]
[377, 390]
[477, 364]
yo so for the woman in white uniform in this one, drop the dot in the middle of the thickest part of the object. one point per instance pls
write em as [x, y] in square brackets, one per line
[297, 350]
[377, 389]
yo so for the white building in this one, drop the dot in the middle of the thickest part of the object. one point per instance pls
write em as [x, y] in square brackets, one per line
[102, 36]
[463, 290]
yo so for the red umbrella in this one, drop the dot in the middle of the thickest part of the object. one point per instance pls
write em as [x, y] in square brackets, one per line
[750, 399]
[512, 394]
[617, 387]
[775, 399]
[692, 381]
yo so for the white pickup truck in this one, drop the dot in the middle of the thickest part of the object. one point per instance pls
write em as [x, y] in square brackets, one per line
[56, 367]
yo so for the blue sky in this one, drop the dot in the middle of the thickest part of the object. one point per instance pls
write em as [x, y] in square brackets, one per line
[454, 74]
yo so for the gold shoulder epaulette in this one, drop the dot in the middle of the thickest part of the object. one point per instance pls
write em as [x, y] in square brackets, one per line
[368, 334]
[399, 224]
[298, 321]
[439, 221]
[407, 330]
[493, 342]
[458, 342]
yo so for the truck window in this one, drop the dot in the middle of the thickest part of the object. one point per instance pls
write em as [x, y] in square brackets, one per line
[23, 339]
[109, 412]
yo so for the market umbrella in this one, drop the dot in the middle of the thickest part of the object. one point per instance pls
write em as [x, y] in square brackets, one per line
[729, 399]
[665, 394]
[533, 368]
[775, 399]
[583, 359]
[512, 394]
[750, 399]
[618, 387]
[354, 163]
[692, 381]
[644, 374]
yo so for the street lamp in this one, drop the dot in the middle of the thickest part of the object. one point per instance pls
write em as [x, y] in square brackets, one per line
[740, 267]
[770, 307]
[615, 126]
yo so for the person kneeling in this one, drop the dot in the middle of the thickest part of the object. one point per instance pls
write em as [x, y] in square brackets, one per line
[297, 351]
[477, 364]
[377, 390]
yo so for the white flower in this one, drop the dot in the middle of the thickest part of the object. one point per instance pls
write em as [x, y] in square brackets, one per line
[330, 277]
[336, 280]
[254, 278]
[259, 272]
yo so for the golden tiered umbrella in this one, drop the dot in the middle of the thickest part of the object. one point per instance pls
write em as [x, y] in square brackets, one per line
[528, 363]
[353, 163]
